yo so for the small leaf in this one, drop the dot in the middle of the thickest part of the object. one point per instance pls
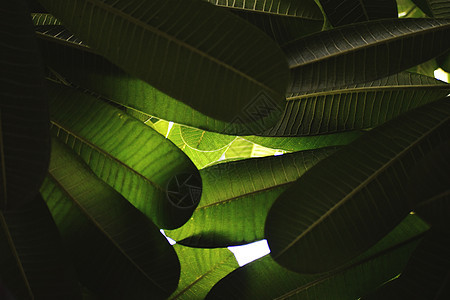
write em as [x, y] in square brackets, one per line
[265, 279]
[240, 194]
[190, 50]
[131, 157]
[334, 58]
[24, 134]
[367, 180]
[33, 262]
[352, 11]
[201, 269]
[118, 252]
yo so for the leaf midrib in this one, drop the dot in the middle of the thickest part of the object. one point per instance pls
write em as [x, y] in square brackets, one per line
[365, 46]
[107, 155]
[362, 185]
[170, 38]
[264, 12]
[97, 225]
[372, 89]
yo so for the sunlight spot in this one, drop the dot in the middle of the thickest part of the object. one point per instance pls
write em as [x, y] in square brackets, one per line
[250, 252]
[169, 128]
[441, 75]
[222, 157]
[172, 242]
[278, 153]
[402, 14]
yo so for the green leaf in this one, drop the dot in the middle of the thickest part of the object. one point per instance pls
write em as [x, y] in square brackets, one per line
[265, 279]
[202, 147]
[79, 66]
[128, 155]
[240, 194]
[426, 276]
[282, 20]
[118, 252]
[33, 263]
[24, 134]
[363, 52]
[353, 198]
[201, 269]
[352, 11]
[305, 142]
[435, 8]
[358, 106]
[190, 50]
[407, 9]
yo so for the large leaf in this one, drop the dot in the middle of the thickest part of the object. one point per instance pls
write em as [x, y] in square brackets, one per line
[305, 142]
[147, 169]
[357, 106]
[353, 198]
[78, 65]
[265, 279]
[363, 52]
[427, 274]
[201, 269]
[240, 194]
[352, 11]
[24, 134]
[282, 20]
[118, 252]
[191, 50]
[33, 262]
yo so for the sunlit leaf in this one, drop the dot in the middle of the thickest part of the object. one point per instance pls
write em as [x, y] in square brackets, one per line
[117, 251]
[240, 194]
[265, 279]
[134, 159]
[353, 198]
[190, 50]
[33, 262]
[201, 269]
[24, 134]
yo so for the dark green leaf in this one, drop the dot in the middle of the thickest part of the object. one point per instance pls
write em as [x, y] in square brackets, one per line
[201, 269]
[352, 11]
[363, 52]
[265, 279]
[358, 106]
[353, 198]
[435, 8]
[33, 262]
[427, 274]
[282, 20]
[191, 50]
[118, 252]
[128, 155]
[240, 194]
[24, 134]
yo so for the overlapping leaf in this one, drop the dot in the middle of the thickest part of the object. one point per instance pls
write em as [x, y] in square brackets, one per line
[33, 262]
[363, 52]
[238, 195]
[435, 8]
[131, 157]
[351, 199]
[426, 276]
[283, 20]
[358, 106]
[191, 50]
[265, 279]
[117, 251]
[24, 134]
[352, 11]
[201, 269]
